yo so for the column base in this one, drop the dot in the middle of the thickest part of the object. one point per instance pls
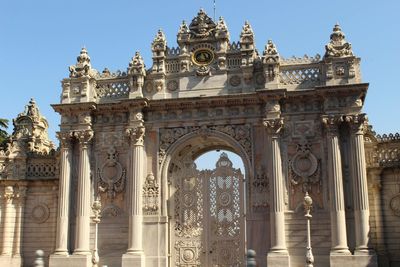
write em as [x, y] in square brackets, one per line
[70, 260]
[12, 261]
[133, 259]
[278, 259]
[337, 260]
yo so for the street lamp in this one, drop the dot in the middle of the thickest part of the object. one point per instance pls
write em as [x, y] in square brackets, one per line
[307, 208]
[96, 207]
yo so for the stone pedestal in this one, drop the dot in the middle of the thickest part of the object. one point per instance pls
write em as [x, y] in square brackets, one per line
[133, 259]
[11, 261]
[337, 260]
[278, 259]
[70, 261]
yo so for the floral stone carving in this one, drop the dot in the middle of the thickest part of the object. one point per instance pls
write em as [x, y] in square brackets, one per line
[111, 175]
[338, 46]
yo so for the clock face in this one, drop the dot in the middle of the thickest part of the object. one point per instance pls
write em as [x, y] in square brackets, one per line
[203, 57]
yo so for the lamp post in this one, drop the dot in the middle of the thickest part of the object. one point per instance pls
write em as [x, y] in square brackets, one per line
[307, 208]
[96, 207]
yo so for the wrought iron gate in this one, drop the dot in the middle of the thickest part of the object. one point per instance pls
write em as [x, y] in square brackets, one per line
[207, 224]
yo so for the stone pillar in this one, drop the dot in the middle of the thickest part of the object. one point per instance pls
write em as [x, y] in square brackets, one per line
[63, 195]
[336, 194]
[83, 204]
[375, 178]
[8, 222]
[278, 254]
[135, 255]
[360, 188]
[19, 220]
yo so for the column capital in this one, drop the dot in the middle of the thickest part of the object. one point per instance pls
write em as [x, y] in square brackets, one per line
[273, 126]
[136, 134]
[65, 139]
[9, 194]
[358, 123]
[84, 137]
[331, 123]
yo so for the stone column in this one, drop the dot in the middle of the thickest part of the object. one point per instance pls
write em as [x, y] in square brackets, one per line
[63, 195]
[19, 220]
[336, 194]
[8, 222]
[135, 255]
[278, 254]
[375, 178]
[83, 204]
[360, 188]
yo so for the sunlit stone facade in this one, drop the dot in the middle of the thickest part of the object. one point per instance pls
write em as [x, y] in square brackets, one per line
[130, 139]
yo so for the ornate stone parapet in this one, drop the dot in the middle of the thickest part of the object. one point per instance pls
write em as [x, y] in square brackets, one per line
[336, 193]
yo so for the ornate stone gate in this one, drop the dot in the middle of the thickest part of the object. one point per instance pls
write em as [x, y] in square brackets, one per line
[207, 215]
[130, 138]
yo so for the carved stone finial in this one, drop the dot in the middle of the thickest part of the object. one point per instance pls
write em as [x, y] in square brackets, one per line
[82, 66]
[338, 46]
[30, 131]
[202, 25]
[222, 29]
[270, 53]
[159, 43]
[183, 28]
[137, 66]
[247, 34]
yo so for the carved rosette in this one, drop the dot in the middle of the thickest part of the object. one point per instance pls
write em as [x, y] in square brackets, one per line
[84, 137]
[136, 135]
[150, 195]
[111, 176]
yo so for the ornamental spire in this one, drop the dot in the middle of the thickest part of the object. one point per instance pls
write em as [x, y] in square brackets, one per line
[338, 46]
[82, 66]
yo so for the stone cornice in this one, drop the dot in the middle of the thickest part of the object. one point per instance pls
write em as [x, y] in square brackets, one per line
[74, 107]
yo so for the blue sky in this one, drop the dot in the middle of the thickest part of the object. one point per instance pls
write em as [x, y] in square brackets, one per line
[40, 39]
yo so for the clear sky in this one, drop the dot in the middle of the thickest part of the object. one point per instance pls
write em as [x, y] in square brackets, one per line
[40, 39]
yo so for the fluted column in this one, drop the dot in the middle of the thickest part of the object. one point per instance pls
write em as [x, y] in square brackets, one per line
[8, 222]
[277, 205]
[83, 205]
[136, 167]
[64, 193]
[360, 187]
[336, 194]
[19, 219]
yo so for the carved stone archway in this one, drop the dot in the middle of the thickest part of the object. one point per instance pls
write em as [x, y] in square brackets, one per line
[198, 246]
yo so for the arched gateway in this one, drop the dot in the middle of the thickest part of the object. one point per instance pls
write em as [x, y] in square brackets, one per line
[129, 139]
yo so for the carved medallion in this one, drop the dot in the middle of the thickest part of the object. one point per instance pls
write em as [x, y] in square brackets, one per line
[203, 57]
[172, 85]
[394, 205]
[40, 213]
[235, 81]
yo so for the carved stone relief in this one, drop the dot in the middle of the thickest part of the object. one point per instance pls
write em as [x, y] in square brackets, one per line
[260, 193]
[40, 213]
[111, 175]
[150, 195]
[304, 174]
